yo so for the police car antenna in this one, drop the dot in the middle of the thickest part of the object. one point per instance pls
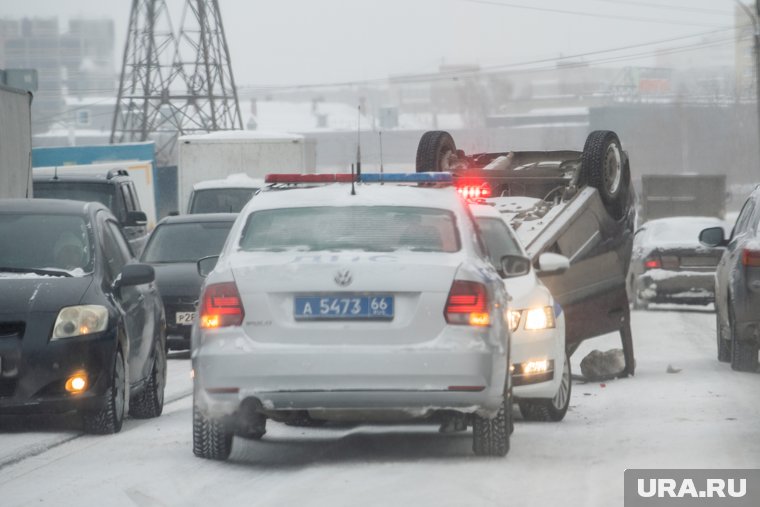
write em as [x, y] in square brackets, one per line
[359, 140]
[380, 134]
[55, 173]
[353, 190]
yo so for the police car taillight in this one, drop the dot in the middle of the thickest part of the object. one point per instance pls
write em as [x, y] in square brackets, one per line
[221, 306]
[467, 304]
[481, 191]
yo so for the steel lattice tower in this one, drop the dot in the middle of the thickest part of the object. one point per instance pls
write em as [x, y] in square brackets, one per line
[174, 84]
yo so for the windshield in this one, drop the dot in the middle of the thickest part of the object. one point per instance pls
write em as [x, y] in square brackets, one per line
[368, 228]
[221, 200]
[498, 238]
[45, 244]
[76, 191]
[186, 242]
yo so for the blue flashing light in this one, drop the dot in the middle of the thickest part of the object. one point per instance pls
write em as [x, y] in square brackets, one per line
[429, 177]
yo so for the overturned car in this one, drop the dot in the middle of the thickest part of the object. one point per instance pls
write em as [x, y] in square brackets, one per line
[579, 204]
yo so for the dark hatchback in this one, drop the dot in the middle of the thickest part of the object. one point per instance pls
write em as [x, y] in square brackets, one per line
[81, 323]
[173, 249]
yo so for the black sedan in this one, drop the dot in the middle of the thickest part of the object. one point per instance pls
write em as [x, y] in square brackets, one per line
[173, 249]
[81, 323]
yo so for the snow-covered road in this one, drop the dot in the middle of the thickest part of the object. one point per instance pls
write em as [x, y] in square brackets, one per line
[704, 416]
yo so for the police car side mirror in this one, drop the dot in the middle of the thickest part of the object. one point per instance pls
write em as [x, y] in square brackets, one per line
[207, 264]
[514, 265]
[552, 264]
[136, 218]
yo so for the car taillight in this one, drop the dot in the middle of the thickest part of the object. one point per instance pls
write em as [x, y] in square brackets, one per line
[652, 263]
[481, 191]
[221, 306]
[751, 258]
[467, 304]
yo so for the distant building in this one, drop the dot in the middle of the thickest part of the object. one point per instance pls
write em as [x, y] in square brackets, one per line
[78, 62]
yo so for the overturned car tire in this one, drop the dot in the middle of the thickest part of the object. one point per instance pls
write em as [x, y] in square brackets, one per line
[435, 152]
[605, 167]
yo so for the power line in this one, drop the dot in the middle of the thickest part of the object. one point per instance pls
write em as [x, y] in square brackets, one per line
[437, 76]
[584, 13]
[678, 8]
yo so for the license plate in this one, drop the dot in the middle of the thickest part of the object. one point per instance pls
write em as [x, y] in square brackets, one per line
[185, 318]
[378, 307]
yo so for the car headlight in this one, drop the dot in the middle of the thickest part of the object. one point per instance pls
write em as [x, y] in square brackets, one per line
[539, 318]
[513, 319]
[80, 320]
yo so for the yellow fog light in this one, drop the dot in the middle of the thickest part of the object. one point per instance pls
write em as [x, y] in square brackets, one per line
[533, 367]
[77, 383]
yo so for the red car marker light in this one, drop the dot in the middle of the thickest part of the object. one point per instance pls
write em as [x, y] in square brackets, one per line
[652, 263]
[467, 304]
[308, 178]
[221, 306]
[751, 258]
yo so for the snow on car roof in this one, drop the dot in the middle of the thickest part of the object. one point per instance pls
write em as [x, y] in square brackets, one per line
[231, 136]
[339, 194]
[237, 180]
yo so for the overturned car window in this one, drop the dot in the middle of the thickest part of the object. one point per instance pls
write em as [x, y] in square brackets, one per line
[42, 245]
[368, 228]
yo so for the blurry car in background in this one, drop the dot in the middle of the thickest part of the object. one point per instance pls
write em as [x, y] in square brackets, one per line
[173, 249]
[541, 374]
[669, 265]
[81, 323]
[737, 287]
[229, 195]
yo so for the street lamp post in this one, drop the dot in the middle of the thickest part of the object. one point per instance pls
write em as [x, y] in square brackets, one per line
[753, 16]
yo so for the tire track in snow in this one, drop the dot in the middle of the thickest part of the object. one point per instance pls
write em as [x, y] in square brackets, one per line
[38, 449]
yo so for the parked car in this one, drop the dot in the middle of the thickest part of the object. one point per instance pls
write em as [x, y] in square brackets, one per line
[737, 287]
[669, 265]
[173, 249]
[81, 323]
[376, 306]
[112, 188]
[541, 364]
[229, 195]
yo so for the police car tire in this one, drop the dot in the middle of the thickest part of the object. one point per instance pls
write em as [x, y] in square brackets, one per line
[211, 437]
[432, 147]
[490, 436]
[593, 163]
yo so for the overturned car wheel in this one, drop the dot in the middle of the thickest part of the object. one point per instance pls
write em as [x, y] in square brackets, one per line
[605, 168]
[436, 152]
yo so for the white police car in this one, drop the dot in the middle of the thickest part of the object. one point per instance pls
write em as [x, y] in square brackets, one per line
[541, 367]
[362, 302]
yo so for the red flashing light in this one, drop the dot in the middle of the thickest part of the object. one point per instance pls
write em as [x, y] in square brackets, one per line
[467, 304]
[221, 306]
[652, 264]
[472, 192]
[309, 178]
[751, 258]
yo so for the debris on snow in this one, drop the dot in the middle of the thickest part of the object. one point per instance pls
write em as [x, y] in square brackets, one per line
[672, 369]
[598, 365]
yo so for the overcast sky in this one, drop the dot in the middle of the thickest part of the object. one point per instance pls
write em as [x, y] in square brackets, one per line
[288, 42]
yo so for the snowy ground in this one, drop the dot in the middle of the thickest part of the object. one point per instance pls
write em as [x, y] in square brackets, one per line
[705, 416]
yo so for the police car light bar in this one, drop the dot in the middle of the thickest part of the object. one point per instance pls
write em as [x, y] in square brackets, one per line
[429, 177]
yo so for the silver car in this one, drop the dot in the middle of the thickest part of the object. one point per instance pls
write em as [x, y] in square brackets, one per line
[737, 287]
[379, 306]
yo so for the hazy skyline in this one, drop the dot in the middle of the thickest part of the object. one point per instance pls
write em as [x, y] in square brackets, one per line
[289, 42]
